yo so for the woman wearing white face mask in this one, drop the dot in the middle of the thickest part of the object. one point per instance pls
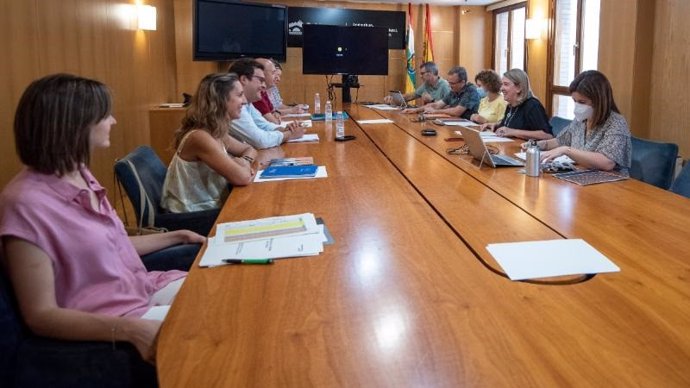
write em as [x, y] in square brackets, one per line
[599, 136]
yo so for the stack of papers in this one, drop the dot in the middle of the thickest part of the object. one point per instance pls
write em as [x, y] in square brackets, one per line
[266, 238]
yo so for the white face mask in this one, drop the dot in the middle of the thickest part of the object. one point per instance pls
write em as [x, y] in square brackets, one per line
[582, 112]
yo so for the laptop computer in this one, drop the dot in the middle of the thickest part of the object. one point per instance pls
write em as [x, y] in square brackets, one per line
[478, 150]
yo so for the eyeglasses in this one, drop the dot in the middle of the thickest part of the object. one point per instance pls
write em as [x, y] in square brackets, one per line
[453, 83]
[262, 79]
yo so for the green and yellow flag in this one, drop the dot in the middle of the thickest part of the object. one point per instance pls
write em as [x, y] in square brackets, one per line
[410, 81]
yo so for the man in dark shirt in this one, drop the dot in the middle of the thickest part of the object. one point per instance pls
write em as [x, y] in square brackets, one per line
[462, 101]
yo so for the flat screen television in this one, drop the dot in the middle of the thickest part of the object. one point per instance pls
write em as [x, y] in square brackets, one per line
[226, 30]
[344, 50]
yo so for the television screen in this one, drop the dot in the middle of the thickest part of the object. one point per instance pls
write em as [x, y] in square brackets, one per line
[227, 30]
[345, 50]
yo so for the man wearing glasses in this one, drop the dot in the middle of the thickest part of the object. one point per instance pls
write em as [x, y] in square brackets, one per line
[433, 89]
[462, 101]
[252, 127]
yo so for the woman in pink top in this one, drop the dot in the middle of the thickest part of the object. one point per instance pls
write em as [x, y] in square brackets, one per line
[75, 272]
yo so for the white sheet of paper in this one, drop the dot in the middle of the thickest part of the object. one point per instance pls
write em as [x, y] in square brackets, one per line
[306, 138]
[375, 121]
[460, 123]
[383, 107]
[539, 259]
[320, 173]
[156, 313]
[274, 248]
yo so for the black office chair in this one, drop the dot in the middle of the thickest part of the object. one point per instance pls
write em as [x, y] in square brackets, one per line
[558, 124]
[682, 183]
[141, 173]
[653, 162]
[29, 360]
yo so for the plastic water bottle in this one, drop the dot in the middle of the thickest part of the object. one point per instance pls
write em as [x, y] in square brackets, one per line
[533, 167]
[339, 125]
[328, 111]
[317, 104]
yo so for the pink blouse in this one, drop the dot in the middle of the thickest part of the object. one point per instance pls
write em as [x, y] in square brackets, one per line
[95, 264]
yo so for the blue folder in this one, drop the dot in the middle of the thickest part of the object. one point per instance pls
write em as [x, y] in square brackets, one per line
[304, 171]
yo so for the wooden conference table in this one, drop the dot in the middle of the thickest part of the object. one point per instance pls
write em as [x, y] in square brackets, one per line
[408, 296]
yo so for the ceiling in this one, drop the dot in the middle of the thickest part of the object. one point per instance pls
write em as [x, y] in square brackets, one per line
[433, 2]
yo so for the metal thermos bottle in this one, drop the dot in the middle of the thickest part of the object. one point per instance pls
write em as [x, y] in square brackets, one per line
[533, 167]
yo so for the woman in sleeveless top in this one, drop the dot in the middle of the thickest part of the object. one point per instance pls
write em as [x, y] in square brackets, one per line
[208, 161]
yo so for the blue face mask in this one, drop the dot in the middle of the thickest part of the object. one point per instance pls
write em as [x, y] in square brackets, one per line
[481, 92]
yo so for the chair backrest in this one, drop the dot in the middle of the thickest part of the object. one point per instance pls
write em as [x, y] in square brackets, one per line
[682, 183]
[141, 173]
[557, 124]
[653, 162]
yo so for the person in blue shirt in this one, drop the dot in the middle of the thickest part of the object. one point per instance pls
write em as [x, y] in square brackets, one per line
[251, 127]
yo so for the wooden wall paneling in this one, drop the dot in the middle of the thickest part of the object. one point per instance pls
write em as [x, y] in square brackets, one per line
[188, 72]
[443, 27]
[396, 71]
[669, 115]
[161, 86]
[642, 68]
[488, 39]
[96, 39]
[292, 89]
[298, 88]
[617, 51]
[536, 51]
[17, 25]
[472, 40]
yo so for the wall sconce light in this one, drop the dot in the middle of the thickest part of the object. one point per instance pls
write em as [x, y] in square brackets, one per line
[146, 16]
[533, 29]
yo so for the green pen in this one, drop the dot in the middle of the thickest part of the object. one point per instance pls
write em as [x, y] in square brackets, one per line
[248, 261]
